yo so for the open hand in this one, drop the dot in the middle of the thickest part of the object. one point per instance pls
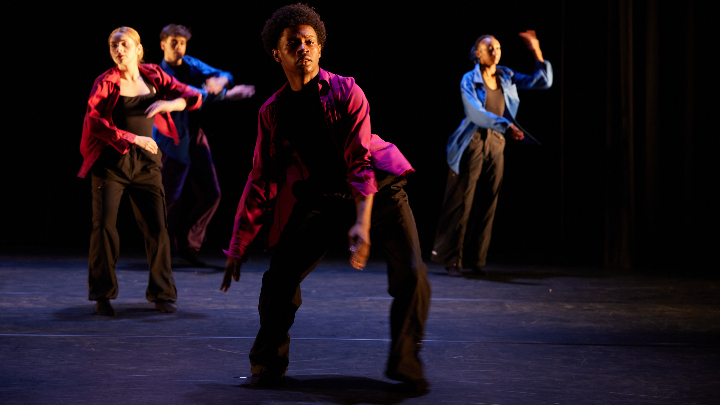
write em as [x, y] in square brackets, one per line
[240, 91]
[232, 271]
[532, 43]
[162, 106]
[530, 39]
[146, 143]
[214, 85]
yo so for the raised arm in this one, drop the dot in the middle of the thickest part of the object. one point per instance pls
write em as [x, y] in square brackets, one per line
[542, 77]
[532, 43]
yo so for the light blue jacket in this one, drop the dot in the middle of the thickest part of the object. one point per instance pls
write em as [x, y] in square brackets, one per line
[473, 98]
[199, 71]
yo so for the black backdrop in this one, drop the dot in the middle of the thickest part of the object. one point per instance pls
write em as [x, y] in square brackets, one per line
[564, 202]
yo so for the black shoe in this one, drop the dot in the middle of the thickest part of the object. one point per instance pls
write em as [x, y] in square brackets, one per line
[415, 386]
[166, 307]
[454, 271]
[479, 271]
[103, 308]
[192, 257]
[266, 380]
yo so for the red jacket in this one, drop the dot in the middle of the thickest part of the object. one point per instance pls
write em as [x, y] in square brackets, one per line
[98, 127]
[267, 198]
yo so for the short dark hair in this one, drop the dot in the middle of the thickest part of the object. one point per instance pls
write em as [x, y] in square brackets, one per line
[175, 30]
[481, 38]
[291, 15]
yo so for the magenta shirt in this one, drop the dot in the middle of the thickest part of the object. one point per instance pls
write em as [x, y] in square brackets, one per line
[267, 198]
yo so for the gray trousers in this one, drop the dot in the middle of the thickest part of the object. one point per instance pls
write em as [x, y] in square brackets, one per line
[466, 218]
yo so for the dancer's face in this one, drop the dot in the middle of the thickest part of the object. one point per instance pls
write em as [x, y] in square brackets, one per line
[124, 51]
[298, 50]
[488, 52]
[174, 48]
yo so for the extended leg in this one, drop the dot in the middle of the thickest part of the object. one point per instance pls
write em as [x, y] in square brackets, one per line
[394, 230]
[301, 247]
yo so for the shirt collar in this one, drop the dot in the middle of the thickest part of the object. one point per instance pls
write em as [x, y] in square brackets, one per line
[169, 69]
[477, 73]
[323, 80]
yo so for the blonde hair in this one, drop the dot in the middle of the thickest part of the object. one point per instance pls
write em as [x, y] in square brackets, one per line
[132, 34]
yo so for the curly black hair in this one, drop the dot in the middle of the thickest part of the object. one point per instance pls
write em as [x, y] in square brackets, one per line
[291, 15]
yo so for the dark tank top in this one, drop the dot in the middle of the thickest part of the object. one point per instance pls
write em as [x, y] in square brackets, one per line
[494, 100]
[494, 103]
[129, 113]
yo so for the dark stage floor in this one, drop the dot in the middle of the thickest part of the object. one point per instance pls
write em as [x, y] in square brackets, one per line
[522, 335]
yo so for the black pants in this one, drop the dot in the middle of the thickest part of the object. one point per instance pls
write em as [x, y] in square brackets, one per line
[313, 224]
[138, 173]
[470, 201]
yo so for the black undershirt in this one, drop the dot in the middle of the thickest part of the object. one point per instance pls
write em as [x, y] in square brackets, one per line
[129, 113]
[494, 102]
[301, 122]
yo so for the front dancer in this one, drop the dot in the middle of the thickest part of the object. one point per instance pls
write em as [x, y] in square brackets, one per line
[317, 172]
[124, 103]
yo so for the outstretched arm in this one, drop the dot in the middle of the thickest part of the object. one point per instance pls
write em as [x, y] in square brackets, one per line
[215, 85]
[162, 106]
[542, 78]
[215, 79]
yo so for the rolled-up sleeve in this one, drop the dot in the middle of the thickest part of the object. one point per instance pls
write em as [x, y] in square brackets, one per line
[357, 147]
[541, 79]
[97, 123]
